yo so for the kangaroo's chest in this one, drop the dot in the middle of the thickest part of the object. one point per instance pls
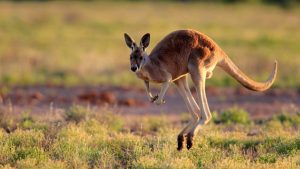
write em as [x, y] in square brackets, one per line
[143, 75]
[153, 75]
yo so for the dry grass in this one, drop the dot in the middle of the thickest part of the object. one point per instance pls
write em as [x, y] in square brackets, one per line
[104, 140]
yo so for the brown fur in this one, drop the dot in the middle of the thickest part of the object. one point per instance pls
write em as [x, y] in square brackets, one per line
[178, 48]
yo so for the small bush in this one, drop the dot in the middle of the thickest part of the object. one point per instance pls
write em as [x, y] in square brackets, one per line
[27, 121]
[26, 138]
[222, 143]
[267, 158]
[156, 123]
[76, 113]
[20, 145]
[110, 120]
[286, 148]
[7, 122]
[235, 115]
[289, 119]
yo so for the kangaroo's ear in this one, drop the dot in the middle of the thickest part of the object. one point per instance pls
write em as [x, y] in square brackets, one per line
[145, 41]
[129, 41]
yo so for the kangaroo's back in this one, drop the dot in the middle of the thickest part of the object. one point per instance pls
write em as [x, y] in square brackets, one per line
[176, 49]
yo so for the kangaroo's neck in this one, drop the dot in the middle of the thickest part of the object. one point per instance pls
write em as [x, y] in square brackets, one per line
[142, 73]
[151, 71]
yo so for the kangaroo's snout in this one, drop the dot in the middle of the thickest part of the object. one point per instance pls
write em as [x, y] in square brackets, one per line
[133, 68]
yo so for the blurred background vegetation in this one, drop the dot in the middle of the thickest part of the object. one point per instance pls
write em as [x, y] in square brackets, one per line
[80, 43]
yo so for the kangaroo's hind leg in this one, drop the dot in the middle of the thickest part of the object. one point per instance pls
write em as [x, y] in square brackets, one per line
[198, 75]
[191, 106]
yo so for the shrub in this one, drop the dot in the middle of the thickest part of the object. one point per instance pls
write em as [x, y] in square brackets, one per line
[155, 124]
[235, 115]
[7, 152]
[26, 138]
[289, 119]
[27, 120]
[286, 148]
[7, 122]
[110, 120]
[20, 145]
[267, 158]
[79, 144]
[76, 113]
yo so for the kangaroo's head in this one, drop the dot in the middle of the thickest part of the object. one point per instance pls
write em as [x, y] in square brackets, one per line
[137, 52]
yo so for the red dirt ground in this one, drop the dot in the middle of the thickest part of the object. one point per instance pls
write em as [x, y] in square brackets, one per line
[129, 101]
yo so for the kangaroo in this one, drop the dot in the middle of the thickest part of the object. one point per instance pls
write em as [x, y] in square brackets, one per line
[180, 53]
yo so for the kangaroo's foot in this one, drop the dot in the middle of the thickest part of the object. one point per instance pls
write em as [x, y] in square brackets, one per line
[180, 141]
[190, 141]
[154, 98]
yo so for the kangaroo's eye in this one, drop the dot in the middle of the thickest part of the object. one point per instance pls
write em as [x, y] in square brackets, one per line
[131, 57]
[141, 58]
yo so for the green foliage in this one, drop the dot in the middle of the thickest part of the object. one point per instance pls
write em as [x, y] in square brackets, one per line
[7, 122]
[235, 115]
[76, 113]
[155, 124]
[109, 119]
[27, 121]
[272, 147]
[21, 145]
[285, 118]
[267, 158]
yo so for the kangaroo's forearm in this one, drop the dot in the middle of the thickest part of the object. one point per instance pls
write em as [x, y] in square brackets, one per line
[147, 86]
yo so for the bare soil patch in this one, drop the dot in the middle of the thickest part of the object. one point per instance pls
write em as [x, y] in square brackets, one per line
[40, 100]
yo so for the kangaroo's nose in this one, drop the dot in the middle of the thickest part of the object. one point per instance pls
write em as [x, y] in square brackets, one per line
[133, 68]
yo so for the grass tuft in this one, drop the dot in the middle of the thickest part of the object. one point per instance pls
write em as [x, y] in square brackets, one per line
[235, 116]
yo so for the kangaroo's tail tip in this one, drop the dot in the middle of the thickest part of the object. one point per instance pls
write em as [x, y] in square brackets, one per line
[275, 63]
[275, 68]
[266, 85]
[272, 76]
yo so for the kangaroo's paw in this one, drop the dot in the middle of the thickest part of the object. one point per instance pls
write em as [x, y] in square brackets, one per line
[209, 75]
[190, 141]
[180, 141]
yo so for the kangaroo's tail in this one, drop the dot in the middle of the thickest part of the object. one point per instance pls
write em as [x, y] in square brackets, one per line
[227, 65]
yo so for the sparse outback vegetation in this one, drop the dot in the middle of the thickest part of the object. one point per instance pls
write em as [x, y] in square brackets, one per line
[96, 141]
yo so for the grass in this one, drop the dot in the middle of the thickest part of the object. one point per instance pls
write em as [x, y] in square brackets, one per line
[82, 43]
[234, 115]
[95, 142]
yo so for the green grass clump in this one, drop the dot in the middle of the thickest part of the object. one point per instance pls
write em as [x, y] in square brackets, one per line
[286, 118]
[235, 116]
[267, 158]
[20, 145]
[111, 120]
[76, 113]
[7, 122]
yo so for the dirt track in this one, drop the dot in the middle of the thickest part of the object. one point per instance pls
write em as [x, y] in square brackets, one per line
[129, 101]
